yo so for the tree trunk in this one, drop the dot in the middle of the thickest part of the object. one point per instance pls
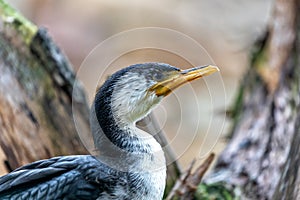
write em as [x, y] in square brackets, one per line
[36, 83]
[261, 160]
[36, 99]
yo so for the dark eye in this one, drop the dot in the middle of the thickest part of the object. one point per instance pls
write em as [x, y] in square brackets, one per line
[158, 76]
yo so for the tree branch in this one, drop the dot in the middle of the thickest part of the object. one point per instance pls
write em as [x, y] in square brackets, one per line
[186, 186]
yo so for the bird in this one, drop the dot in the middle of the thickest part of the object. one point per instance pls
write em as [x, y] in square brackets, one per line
[129, 163]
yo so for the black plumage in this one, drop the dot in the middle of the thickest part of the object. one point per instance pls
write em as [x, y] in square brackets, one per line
[66, 177]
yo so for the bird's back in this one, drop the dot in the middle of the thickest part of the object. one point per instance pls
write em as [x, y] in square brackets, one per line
[67, 177]
[78, 177]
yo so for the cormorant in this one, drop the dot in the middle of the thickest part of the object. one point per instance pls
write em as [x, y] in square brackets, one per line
[130, 163]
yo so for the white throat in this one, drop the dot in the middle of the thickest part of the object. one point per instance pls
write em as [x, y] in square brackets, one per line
[132, 104]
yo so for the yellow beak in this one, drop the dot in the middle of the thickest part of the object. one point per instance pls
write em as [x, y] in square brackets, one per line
[173, 81]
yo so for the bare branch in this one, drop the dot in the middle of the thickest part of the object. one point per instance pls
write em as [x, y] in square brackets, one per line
[186, 186]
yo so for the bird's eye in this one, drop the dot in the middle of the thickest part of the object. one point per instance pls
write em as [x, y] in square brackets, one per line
[158, 76]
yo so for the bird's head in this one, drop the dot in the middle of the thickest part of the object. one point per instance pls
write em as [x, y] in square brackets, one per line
[135, 90]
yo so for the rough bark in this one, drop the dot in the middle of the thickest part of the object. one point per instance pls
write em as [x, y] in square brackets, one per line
[36, 119]
[36, 106]
[262, 158]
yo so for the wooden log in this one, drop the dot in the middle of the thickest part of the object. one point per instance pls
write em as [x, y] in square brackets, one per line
[36, 82]
[262, 158]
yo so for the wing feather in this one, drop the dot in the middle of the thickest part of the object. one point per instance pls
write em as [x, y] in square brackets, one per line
[74, 177]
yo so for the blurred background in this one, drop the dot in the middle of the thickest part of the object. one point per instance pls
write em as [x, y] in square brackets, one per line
[194, 117]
